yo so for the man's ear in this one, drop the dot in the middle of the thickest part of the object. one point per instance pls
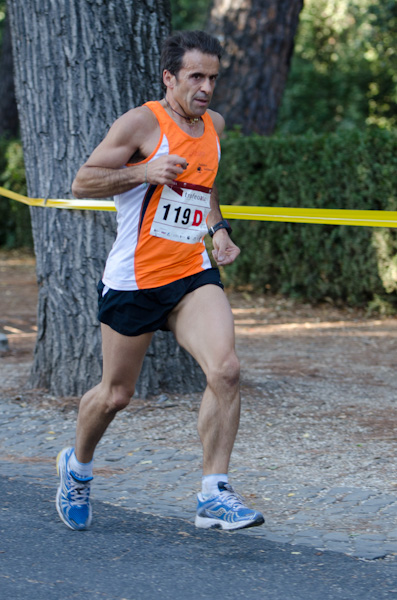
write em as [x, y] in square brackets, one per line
[168, 79]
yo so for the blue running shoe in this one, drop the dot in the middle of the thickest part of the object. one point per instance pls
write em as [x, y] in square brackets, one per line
[73, 495]
[226, 511]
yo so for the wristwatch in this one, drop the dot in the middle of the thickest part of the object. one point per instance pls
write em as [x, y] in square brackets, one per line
[220, 225]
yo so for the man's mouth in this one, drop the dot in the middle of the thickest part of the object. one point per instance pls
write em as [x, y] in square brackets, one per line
[202, 101]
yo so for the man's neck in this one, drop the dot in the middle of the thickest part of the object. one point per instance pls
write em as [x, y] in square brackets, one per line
[176, 111]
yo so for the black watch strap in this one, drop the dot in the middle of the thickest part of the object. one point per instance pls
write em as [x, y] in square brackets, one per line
[220, 225]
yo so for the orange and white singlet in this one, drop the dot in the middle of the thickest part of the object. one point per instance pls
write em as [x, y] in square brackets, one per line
[160, 229]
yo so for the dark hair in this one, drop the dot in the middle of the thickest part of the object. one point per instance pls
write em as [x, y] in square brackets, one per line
[175, 46]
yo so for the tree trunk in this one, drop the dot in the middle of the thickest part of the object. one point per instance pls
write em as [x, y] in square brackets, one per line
[8, 105]
[79, 64]
[258, 42]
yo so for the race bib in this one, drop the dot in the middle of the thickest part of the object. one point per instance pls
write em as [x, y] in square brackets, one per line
[182, 213]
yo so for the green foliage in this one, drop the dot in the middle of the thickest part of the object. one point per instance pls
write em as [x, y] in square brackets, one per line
[2, 17]
[189, 15]
[349, 169]
[15, 227]
[344, 70]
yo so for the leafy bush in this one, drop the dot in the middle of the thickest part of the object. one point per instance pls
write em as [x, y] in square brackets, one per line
[343, 71]
[349, 169]
[189, 15]
[15, 227]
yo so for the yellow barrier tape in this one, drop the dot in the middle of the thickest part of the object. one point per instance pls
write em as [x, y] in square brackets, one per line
[324, 216]
[65, 203]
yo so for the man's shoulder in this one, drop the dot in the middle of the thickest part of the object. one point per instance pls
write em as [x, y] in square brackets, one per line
[141, 118]
[218, 121]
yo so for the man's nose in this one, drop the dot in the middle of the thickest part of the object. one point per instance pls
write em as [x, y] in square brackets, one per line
[207, 86]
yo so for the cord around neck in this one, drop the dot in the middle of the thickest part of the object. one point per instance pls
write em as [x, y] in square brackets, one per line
[190, 120]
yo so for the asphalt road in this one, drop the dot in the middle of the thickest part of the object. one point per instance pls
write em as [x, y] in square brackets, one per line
[128, 555]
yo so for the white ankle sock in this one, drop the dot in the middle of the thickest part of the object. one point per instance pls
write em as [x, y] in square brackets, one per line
[82, 471]
[210, 484]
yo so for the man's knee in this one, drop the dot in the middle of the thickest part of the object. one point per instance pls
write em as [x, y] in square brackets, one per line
[118, 398]
[226, 373]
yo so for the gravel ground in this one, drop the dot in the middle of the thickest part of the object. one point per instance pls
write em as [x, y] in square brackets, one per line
[317, 442]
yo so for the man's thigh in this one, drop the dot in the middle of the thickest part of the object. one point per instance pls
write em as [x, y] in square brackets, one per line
[122, 357]
[203, 324]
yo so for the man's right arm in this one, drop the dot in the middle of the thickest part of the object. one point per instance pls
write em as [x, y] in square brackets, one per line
[104, 174]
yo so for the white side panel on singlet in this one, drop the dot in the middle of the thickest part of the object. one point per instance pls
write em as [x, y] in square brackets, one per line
[119, 272]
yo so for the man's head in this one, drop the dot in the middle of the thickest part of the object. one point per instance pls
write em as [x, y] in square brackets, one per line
[190, 66]
[175, 47]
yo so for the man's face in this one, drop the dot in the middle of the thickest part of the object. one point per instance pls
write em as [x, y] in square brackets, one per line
[194, 85]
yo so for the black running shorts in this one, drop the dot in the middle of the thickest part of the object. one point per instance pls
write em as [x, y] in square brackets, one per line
[144, 311]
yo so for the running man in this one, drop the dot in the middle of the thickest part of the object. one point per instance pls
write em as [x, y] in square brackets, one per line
[160, 161]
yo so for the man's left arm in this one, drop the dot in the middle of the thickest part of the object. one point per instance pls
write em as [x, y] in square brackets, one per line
[224, 250]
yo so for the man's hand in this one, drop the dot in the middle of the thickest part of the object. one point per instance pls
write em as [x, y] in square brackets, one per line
[225, 251]
[164, 170]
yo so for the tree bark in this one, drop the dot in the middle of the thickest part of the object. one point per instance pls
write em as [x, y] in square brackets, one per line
[79, 64]
[258, 42]
[9, 125]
